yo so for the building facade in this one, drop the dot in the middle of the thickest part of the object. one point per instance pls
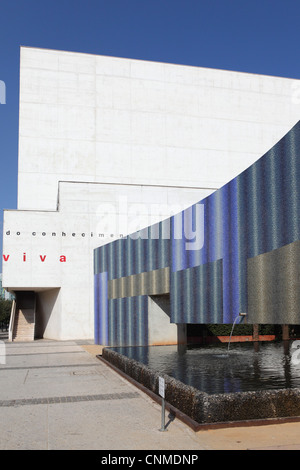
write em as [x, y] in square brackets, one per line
[236, 251]
[109, 146]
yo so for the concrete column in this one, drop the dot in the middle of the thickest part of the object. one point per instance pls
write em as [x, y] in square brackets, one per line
[181, 334]
[255, 332]
[285, 332]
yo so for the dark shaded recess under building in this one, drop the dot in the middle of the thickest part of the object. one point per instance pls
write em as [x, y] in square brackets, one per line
[198, 334]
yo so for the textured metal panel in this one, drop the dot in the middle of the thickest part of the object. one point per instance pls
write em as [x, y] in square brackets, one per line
[197, 294]
[147, 283]
[274, 286]
[128, 321]
[101, 306]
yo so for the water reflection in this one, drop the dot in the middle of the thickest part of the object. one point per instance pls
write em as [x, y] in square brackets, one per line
[248, 366]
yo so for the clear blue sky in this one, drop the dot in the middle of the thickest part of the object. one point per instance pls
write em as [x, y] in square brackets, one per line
[258, 36]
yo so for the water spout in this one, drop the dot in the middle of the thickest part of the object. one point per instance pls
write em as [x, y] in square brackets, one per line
[239, 315]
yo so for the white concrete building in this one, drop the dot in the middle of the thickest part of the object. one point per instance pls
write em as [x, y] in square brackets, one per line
[110, 145]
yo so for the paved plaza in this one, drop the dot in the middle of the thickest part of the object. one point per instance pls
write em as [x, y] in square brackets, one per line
[58, 395]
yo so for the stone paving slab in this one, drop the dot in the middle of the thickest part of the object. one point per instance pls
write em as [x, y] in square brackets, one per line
[56, 395]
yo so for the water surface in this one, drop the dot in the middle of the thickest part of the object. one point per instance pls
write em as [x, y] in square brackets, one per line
[247, 367]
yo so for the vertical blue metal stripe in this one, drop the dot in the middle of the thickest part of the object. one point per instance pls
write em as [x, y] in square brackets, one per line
[97, 312]
[255, 209]
[242, 222]
[225, 249]
[234, 253]
[273, 207]
[104, 306]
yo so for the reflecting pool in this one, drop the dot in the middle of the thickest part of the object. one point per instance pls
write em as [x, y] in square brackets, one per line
[211, 369]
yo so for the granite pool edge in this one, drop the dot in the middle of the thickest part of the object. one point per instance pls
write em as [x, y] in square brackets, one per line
[204, 409]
